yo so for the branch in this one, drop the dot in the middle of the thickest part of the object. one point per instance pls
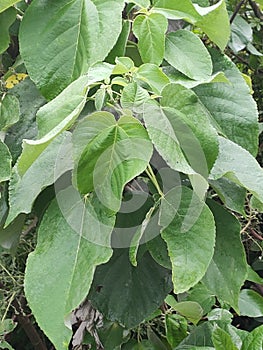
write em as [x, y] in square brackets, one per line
[256, 9]
[28, 327]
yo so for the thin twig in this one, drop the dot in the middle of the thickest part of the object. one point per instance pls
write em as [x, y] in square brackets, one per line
[239, 5]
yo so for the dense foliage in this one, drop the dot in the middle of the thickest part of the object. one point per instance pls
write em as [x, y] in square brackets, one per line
[131, 196]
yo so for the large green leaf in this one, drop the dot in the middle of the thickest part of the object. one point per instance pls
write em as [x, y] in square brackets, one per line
[129, 294]
[254, 340]
[186, 52]
[215, 23]
[60, 271]
[5, 164]
[235, 163]
[68, 37]
[150, 31]
[9, 111]
[177, 9]
[231, 105]
[189, 231]
[45, 170]
[228, 268]
[6, 19]
[191, 123]
[110, 154]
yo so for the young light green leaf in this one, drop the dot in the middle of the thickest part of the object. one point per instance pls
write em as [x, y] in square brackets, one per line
[215, 23]
[5, 4]
[133, 293]
[177, 9]
[250, 303]
[71, 255]
[189, 231]
[150, 32]
[228, 268]
[153, 76]
[83, 33]
[43, 171]
[9, 111]
[5, 164]
[231, 105]
[110, 154]
[186, 52]
[6, 19]
[234, 162]
[222, 340]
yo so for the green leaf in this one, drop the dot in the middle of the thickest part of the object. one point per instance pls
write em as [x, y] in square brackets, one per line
[192, 127]
[186, 52]
[60, 113]
[9, 236]
[241, 34]
[179, 78]
[253, 276]
[135, 242]
[158, 250]
[203, 296]
[29, 101]
[68, 254]
[110, 154]
[43, 171]
[228, 268]
[71, 36]
[199, 338]
[189, 231]
[9, 111]
[153, 76]
[254, 340]
[250, 303]
[6, 326]
[231, 194]
[133, 97]
[231, 105]
[6, 19]
[150, 32]
[5, 345]
[222, 340]
[163, 135]
[120, 47]
[129, 294]
[235, 163]
[53, 118]
[5, 164]
[189, 309]
[215, 23]
[176, 329]
[5, 4]
[177, 9]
